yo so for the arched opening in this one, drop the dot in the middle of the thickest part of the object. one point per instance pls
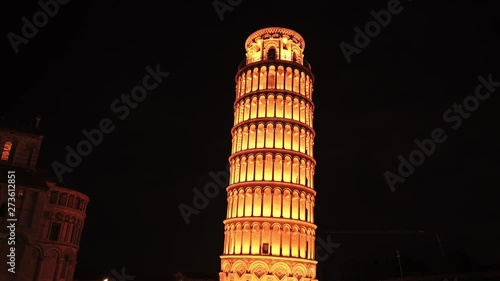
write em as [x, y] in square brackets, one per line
[235, 204]
[248, 203]
[255, 79]
[296, 140]
[246, 115]
[250, 168]
[271, 53]
[302, 242]
[295, 205]
[278, 138]
[252, 137]
[229, 205]
[307, 86]
[246, 239]
[302, 140]
[272, 77]
[267, 202]
[296, 77]
[295, 242]
[257, 202]
[277, 203]
[269, 135]
[244, 144]
[238, 238]
[263, 78]
[276, 240]
[255, 239]
[302, 111]
[303, 172]
[237, 170]
[288, 107]
[287, 169]
[286, 203]
[268, 168]
[270, 106]
[302, 83]
[285, 248]
[278, 167]
[289, 79]
[261, 132]
[295, 170]
[279, 106]
[253, 106]
[266, 239]
[243, 169]
[259, 167]
[288, 137]
[296, 109]
[248, 84]
[262, 106]
[281, 78]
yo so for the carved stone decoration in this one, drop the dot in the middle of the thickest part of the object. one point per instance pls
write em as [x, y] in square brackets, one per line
[240, 270]
[259, 271]
[280, 272]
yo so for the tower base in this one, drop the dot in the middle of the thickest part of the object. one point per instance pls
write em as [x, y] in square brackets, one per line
[262, 268]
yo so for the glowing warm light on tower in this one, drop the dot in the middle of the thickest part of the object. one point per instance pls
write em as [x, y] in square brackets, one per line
[269, 231]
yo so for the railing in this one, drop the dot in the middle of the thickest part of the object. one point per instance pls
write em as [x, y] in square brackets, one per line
[244, 63]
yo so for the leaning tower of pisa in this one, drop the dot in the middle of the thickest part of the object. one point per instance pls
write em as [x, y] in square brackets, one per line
[269, 230]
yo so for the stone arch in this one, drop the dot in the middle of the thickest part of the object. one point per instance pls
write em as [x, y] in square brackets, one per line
[226, 266]
[256, 236]
[268, 45]
[259, 269]
[299, 271]
[296, 54]
[311, 272]
[267, 201]
[248, 201]
[240, 268]
[53, 253]
[281, 270]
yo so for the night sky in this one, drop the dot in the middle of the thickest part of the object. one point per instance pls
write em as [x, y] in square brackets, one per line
[398, 88]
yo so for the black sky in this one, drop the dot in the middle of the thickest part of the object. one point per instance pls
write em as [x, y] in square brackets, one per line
[367, 113]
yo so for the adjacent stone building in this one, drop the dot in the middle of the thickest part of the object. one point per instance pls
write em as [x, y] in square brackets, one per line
[48, 217]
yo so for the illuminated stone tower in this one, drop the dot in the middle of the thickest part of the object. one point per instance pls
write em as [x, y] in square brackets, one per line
[269, 231]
